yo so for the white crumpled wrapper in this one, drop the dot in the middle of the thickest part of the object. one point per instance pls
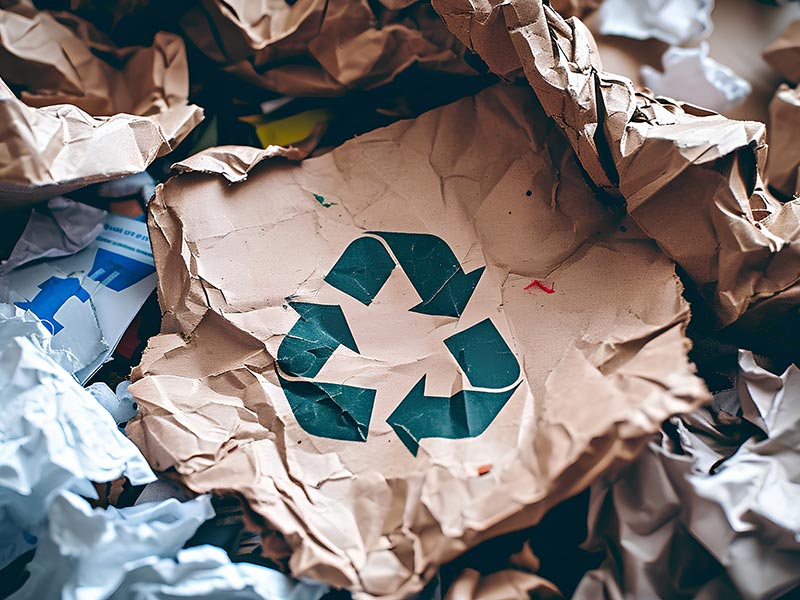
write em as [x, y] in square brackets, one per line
[713, 511]
[135, 552]
[692, 76]
[675, 22]
[54, 436]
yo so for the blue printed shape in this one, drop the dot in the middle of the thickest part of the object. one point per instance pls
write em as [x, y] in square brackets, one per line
[53, 294]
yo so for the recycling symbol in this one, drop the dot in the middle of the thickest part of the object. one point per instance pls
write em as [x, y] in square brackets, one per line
[343, 412]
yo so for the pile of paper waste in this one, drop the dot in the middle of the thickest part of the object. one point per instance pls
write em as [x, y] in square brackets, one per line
[399, 299]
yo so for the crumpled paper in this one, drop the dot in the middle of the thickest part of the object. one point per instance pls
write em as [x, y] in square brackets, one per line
[50, 151]
[518, 580]
[54, 436]
[675, 22]
[711, 511]
[381, 512]
[783, 160]
[58, 58]
[689, 178]
[120, 404]
[783, 54]
[86, 553]
[322, 47]
[60, 228]
[691, 75]
[575, 8]
[206, 572]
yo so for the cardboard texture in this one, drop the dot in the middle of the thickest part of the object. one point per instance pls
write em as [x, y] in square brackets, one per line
[46, 152]
[689, 177]
[784, 151]
[322, 47]
[416, 342]
[783, 54]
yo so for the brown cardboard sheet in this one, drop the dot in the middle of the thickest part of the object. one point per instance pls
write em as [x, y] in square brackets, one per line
[690, 178]
[379, 435]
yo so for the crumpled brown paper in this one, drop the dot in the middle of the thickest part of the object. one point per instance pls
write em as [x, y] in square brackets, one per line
[518, 580]
[322, 47]
[689, 177]
[49, 151]
[602, 354]
[575, 8]
[58, 58]
[783, 54]
[784, 145]
[711, 511]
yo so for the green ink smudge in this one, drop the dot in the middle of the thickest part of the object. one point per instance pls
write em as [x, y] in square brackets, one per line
[321, 200]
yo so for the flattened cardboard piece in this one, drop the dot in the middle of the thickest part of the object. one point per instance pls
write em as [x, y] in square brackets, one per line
[688, 176]
[784, 147]
[322, 47]
[356, 345]
[58, 58]
[783, 54]
[46, 152]
[87, 300]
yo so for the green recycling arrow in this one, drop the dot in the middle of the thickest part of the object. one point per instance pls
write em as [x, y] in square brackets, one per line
[313, 339]
[464, 414]
[343, 412]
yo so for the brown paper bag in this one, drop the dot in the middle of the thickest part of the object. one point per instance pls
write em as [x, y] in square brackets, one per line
[418, 341]
[322, 47]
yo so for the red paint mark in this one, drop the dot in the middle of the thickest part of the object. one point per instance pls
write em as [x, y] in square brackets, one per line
[541, 286]
[484, 469]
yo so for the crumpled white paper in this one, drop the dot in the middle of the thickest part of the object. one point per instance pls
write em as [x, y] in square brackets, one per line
[86, 552]
[54, 436]
[120, 405]
[713, 511]
[132, 553]
[62, 228]
[675, 22]
[690, 75]
[206, 572]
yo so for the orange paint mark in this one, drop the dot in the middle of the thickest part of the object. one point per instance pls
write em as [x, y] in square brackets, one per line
[484, 469]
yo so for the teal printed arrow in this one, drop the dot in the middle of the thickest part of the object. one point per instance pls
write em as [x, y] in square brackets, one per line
[329, 410]
[361, 270]
[464, 414]
[434, 271]
[313, 339]
[484, 356]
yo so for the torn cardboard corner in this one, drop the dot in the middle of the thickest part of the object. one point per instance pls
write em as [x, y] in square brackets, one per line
[354, 347]
[58, 58]
[710, 512]
[322, 47]
[50, 151]
[689, 177]
[783, 159]
[783, 54]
